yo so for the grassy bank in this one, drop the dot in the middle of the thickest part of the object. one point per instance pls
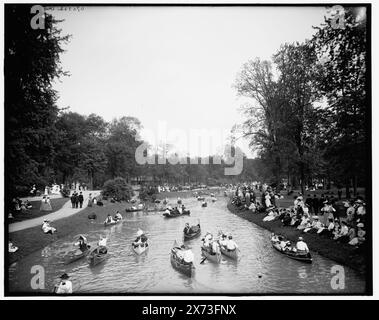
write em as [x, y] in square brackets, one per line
[339, 252]
[35, 212]
[33, 239]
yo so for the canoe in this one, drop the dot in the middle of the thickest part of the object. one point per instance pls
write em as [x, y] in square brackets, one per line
[215, 257]
[75, 257]
[186, 268]
[174, 215]
[133, 210]
[233, 254]
[292, 255]
[192, 235]
[95, 257]
[112, 223]
[200, 198]
[140, 249]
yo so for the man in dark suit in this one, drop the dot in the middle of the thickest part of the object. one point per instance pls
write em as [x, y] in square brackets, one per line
[80, 199]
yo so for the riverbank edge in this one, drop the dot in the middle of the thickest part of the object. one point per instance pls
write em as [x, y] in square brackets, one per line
[341, 253]
[33, 239]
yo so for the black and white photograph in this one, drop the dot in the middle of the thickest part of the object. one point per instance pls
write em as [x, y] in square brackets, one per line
[186, 149]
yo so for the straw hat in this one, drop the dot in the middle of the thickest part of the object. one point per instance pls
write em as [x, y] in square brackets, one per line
[139, 233]
[315, 217]
[300, 238]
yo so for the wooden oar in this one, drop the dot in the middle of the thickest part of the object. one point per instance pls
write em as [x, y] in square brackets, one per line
[202, 261]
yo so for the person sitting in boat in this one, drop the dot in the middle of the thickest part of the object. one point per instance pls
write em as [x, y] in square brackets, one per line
[187, 254]
[140, 206]
[223, 240]
[207, 241]
[215, 247]
[102, 242]
[118, 216]
[64, 286]
[11, 248]
[301, 247]
[82, 243]
[46, 228]
[141, 239]
[179, 201]
[230, 244]
[187, 228]
[109, 219]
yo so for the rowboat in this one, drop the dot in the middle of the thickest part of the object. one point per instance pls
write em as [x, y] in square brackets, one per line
[307, 258]
[139, 249]
[133, 209]
[195, 232]
[174, 215]
[97, 255]
[186, 268]
[214, 257]
[111, 223]
[75, 256]
[232, 254]
[200, 198]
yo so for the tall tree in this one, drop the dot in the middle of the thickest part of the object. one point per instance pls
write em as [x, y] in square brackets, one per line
[342, 51]
[31, 64]
[266, 115]
[121, 146]
[297, 69]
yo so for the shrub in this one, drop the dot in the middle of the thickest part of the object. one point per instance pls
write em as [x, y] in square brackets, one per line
[118, 189]
[65, 192]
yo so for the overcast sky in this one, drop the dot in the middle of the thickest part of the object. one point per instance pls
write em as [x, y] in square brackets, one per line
[171, 66]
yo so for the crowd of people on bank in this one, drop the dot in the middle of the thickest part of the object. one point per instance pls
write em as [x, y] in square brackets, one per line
[327, 216]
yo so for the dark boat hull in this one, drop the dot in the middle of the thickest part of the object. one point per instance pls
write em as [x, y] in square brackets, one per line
[302, 258]
[106, 224]
[176, 215]
[192, 235]
[77, 257]
[216, 258]
[187, 269]
[230, 254]
[132, 210]
[96, 258]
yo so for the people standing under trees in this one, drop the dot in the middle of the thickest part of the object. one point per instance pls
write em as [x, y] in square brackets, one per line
[76, 200]
[90, 200]
[81, 199]
[328, 211]
[315, 205]
[73, 200]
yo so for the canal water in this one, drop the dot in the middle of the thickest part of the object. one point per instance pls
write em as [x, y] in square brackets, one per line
[260, 269]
